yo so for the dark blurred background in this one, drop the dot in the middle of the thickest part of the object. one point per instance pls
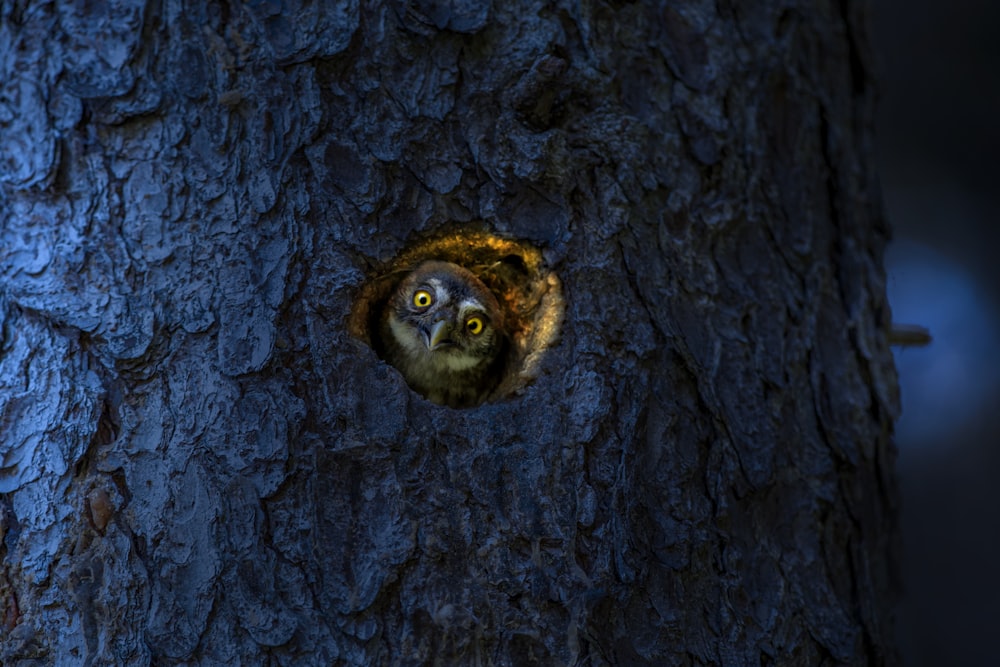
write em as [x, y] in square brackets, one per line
[939, 142]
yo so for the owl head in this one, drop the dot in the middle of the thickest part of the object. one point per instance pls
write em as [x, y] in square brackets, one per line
[445, 331]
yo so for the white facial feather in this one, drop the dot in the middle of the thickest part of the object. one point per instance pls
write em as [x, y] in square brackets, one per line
[470, 304]
[441, 295]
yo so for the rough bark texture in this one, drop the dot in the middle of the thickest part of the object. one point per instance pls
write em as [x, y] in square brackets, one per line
[200, 465]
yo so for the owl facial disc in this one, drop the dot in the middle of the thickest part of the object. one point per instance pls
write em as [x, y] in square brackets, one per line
[444, 330]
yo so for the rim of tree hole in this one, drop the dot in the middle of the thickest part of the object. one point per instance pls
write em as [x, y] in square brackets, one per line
[528, 290]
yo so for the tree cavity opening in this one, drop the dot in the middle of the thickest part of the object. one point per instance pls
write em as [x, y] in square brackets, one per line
[528, 292]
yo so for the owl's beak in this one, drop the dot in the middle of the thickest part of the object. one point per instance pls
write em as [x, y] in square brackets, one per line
[438, 335]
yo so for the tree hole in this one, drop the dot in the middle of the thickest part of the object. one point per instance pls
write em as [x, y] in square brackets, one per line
[528, 293]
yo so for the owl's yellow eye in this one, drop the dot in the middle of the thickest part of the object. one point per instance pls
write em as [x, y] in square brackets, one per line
[422, 298]
[474, 325]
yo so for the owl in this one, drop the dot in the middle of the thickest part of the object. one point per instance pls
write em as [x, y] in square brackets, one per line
[443, 329]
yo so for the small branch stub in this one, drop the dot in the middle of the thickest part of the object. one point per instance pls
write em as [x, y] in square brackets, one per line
[909, 335]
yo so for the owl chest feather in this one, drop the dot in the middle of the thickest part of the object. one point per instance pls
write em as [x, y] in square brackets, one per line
[442, 376]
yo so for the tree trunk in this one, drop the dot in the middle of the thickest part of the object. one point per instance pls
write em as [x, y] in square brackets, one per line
[203, 461]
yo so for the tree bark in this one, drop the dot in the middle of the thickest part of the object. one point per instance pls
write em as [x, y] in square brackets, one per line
[202, 463]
